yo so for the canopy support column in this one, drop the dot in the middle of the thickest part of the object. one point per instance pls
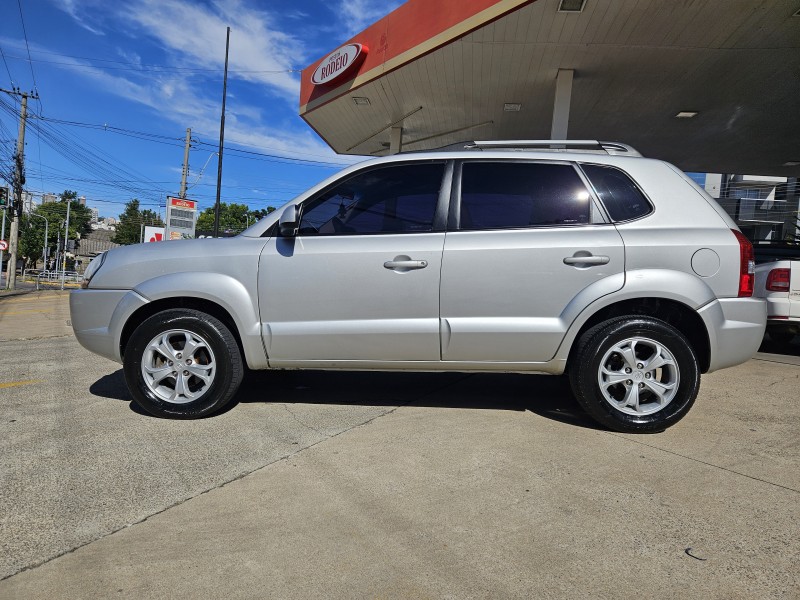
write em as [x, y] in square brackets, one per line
[561, 104]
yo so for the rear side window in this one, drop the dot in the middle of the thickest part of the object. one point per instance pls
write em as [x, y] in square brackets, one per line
[516, 195]
[621, 197]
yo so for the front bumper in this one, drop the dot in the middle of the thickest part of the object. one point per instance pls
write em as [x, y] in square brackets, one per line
[735, 329]
[98, 317]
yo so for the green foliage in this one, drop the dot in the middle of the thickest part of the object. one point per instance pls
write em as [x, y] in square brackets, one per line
[32, 227]
[233, 218]
[129, 228]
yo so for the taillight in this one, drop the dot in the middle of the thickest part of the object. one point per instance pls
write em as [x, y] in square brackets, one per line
[747, 265]
[778, 280]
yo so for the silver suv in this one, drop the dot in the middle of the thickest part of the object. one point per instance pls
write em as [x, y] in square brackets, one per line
[551, 257]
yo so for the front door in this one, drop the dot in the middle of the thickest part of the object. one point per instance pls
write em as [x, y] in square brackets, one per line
[360, 280]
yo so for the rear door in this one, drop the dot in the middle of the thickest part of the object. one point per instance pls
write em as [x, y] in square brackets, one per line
[794, 290]
[526, 251]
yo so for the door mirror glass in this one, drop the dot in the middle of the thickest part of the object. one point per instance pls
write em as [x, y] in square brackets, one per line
[289, 221]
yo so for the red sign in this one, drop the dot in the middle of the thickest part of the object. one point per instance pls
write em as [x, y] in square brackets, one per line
[3, 245]
[183, 203]
[338, 62]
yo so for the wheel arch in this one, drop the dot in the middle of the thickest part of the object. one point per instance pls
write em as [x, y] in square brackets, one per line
[222, 296]
[677, 314]
[201, 304]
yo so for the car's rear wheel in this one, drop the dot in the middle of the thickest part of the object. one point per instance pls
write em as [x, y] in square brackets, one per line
[182, 364]
[634, 374]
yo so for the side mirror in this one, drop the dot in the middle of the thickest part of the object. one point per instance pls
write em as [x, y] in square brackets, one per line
[290, 221]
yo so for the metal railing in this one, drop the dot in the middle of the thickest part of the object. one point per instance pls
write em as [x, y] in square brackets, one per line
[50, 278]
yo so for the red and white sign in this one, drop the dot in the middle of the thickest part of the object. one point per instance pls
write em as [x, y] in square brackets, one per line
[338, 62]
[3, 245]
[153, 234]
[181, 203]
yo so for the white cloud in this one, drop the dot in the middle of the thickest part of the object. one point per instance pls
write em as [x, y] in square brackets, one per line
[75, 10]
[244, 124]
[357, 15]
[259, 51]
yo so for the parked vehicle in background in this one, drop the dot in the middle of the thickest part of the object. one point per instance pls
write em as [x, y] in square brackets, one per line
[779, 283]
[553, 257]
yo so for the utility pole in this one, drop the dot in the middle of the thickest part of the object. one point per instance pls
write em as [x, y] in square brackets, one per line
[185, 172]
[19, 181]
[221, 134]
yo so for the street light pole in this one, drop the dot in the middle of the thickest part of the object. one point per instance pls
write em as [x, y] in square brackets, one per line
[66, 241]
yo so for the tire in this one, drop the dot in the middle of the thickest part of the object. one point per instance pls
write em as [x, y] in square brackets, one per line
[211, 373]
[609, 374]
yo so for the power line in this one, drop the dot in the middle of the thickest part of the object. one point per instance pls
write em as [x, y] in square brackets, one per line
[277, 158]
[176, 141]
[28, 48]
[147, 68]
[7, 69]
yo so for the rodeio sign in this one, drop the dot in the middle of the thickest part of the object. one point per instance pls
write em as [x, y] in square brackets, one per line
[338, 62]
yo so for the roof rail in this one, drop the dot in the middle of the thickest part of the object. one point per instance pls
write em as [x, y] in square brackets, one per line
[612, 148]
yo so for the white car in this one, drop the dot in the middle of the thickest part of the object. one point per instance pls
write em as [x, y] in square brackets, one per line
[498, 256]
[779, 283]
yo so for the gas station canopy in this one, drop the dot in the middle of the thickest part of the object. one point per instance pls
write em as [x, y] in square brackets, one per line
[709, 85]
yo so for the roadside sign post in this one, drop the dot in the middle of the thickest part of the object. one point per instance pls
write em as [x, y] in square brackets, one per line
[181, 218]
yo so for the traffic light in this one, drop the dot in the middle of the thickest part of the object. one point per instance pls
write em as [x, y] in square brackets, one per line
[3, 197]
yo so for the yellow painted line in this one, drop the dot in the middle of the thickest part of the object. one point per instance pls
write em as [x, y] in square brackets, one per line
[18, 383]
[25, 312]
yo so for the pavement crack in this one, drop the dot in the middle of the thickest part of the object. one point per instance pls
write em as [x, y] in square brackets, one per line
[301, 422]
[703, 462]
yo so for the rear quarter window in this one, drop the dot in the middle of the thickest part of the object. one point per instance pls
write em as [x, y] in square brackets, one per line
[619, 194]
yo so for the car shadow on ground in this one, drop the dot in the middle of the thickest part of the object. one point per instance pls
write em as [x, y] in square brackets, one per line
[545, 395]
[791, 348]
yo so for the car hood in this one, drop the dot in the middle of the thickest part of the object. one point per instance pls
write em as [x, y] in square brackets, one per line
[128, 266]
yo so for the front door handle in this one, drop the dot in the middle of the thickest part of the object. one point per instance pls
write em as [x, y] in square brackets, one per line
[586, 260]
[405, 265]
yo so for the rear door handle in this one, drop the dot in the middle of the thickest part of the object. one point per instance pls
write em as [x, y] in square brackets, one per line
[586, 260]
[405, 265]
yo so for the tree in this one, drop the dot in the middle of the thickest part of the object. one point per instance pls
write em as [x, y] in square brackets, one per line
[31, 238]
[262, 212]
[129, 228]
[233, 218]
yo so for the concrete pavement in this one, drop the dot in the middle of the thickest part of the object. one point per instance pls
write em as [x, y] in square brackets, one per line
[343, 485]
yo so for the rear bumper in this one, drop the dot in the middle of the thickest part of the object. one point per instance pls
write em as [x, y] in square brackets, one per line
[779, 308]
[98, 317]
[735, 329]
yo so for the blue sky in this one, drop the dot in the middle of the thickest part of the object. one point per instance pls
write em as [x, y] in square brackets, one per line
[119, 83]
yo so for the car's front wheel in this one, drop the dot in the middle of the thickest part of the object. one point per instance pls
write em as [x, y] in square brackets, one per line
[182, 364]
[634, 374]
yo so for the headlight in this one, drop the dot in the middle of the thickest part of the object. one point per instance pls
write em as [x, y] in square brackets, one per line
[93, 268]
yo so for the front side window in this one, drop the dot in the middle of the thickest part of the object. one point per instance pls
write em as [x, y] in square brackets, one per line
[393, 199]
[517, 195]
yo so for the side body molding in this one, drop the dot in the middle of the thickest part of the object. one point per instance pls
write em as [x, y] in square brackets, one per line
[229, 293]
